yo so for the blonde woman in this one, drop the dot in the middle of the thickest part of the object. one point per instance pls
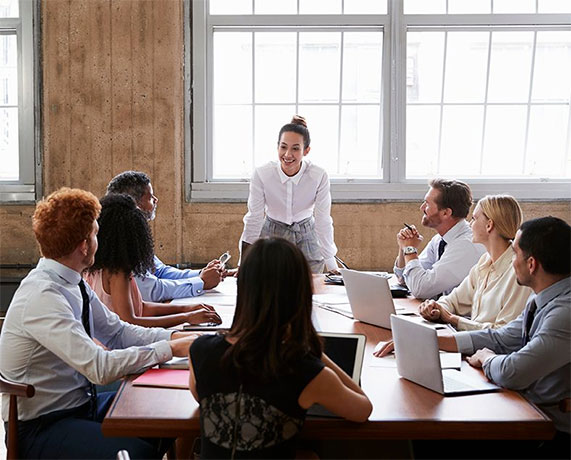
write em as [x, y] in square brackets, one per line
[489, 297]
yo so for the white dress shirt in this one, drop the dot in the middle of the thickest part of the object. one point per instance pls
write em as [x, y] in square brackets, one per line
[427, 277]
[291, 199]
[489, 296]
[44, 343]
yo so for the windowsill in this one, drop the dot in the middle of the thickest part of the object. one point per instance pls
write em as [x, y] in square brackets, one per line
[17, 194]
[362, 192]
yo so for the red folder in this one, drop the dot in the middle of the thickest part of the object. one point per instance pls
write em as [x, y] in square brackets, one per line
[164, 378]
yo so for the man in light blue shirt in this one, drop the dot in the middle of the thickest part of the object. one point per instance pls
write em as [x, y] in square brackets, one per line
[52, 336]
[166, 282]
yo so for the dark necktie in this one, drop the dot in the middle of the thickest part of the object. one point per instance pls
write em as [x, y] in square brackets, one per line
[441, 247]
[528, 322]
[86, 325]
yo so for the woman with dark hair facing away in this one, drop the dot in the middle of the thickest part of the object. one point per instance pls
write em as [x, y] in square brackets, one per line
[290, 199]
[255, 382]
[126, 250]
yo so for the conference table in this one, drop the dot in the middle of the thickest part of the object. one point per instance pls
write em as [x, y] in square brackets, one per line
[401, 409]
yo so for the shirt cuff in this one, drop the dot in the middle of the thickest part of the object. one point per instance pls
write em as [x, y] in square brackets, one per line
[487, 361]
[464, 343]
[197, 285]
[409, 266]
[163, 351]
[331, 264]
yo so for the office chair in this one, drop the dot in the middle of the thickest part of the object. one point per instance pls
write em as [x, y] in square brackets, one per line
[14, 390]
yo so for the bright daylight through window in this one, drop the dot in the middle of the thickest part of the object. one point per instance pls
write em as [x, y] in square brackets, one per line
[394, 92]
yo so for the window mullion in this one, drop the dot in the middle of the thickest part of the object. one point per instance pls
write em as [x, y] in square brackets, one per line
[529, 96]
[339, 113]
[485, 114]
[398, 39]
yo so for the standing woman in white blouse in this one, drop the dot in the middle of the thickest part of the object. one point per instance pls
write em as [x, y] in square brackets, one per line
[290, 199]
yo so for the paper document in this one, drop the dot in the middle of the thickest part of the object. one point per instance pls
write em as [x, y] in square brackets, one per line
[164, 378]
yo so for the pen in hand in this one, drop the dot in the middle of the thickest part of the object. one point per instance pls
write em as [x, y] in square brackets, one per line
[409, 227]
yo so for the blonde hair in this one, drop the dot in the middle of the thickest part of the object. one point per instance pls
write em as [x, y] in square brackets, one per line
[505, 212]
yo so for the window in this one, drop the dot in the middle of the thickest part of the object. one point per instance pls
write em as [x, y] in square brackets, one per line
[17, 136]
[395, 92]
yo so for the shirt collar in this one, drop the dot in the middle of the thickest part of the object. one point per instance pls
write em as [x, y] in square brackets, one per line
[69, 275]
[503, 262]
[460, 227]
[295, 179]
[555, 290]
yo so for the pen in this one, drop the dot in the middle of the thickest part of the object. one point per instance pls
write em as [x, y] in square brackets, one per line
[409, 227]
[343, 264]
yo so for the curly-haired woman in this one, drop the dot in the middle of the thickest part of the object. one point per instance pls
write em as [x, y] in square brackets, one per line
[126, 250]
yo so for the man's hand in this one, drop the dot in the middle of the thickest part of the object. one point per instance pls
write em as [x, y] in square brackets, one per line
[180, 342]
[478, 358]
[211, 275]
[384, 348]
[409, 237]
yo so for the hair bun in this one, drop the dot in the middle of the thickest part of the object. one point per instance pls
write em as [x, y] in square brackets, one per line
[299, 120]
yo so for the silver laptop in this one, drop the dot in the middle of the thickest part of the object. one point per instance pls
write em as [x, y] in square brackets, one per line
[370, 298]
[348, 352]
[418, 360]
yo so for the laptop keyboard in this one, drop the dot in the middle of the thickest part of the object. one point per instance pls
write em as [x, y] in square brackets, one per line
[452, 385]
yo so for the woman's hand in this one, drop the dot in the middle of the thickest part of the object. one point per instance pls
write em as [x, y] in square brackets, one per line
[203, 316]
[384, 349]
[430, 310]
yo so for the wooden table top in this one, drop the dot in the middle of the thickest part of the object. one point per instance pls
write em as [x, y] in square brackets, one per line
[401, 409]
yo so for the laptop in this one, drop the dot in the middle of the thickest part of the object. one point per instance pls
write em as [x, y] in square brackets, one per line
[370, 298]
[347, 351]
[418, 360]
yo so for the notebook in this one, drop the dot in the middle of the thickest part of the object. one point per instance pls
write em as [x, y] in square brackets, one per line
[418, 360]
[164, 378]
[347, 351]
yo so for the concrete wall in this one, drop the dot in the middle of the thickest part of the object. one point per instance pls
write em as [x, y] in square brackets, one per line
[113, 100]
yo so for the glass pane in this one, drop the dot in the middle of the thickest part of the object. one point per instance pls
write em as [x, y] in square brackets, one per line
[323, 125]
[9, 9]
[510, 66]
[9, 145]
[466, 62]
[547, 153]
[554, 6]
[230, 6]
[425, 52]
[422, 130]
[469, 6]
[319, 61]
[273, 7]
[360, 128]
[8, 70]
[461, 141]
[319, 6]
[424, 6]
[362, 59]
[269, 120]
[504, 140]
[232, 67]
[514, 6]
[365, 7]
[552, 72]
[232, 142]
[275, 66]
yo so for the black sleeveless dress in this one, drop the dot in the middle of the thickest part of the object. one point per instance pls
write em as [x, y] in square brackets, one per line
[267, 418]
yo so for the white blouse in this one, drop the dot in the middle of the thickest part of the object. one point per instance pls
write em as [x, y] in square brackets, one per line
[291, 199]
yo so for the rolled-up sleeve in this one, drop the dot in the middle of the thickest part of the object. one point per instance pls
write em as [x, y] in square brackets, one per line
[254, 218]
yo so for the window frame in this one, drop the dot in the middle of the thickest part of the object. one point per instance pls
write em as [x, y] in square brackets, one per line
[393, 186]
[26, 29]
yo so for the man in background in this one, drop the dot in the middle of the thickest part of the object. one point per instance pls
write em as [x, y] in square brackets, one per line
[166, 282]
[449, 256]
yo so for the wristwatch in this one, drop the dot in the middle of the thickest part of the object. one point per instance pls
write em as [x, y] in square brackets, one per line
[409, 250]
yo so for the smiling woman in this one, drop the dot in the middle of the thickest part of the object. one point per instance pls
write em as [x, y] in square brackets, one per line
[291, 199]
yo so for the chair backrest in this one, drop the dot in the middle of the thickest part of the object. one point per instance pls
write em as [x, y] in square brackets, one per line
[14, 390]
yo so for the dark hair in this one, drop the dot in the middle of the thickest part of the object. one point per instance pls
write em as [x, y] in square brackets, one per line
[548, 240]
[132, 183]
[63, 220]
[297, 125]
[125, 238]
[272, 322]
[454, 194]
